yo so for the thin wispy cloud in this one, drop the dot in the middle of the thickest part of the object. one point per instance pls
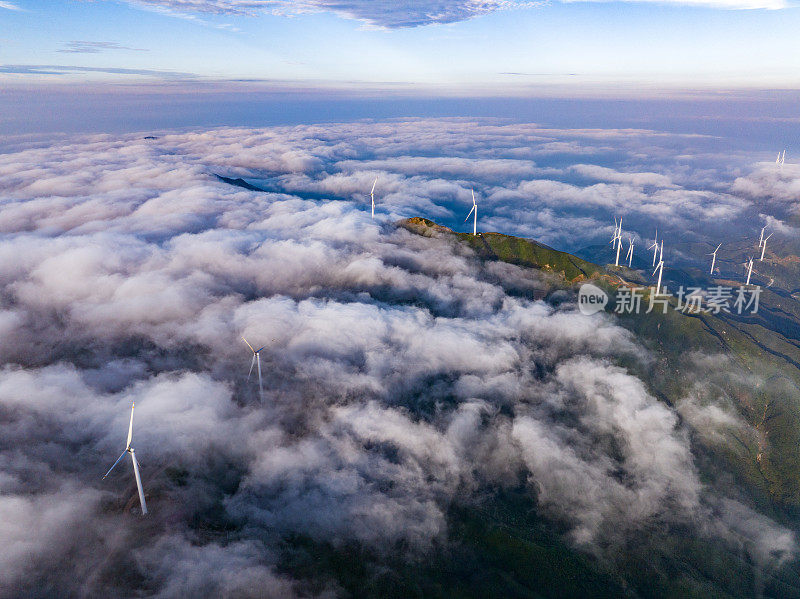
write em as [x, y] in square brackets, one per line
[50, 69]
[400, 14]
[721, 4]
[378, 13]
[9, 5]
[87, 47]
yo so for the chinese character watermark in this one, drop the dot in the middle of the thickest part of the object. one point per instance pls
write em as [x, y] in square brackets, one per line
[691, 300]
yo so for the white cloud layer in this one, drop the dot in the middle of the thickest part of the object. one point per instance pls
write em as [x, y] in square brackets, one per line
[401, 377]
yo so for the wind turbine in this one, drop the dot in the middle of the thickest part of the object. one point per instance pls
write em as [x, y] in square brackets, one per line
[654, 247]
[764, 246]
[749, 270]
[129, 449]
[256, 360]
[629, 257]
[617, 239]
[475, 209]
[714, 258]
[660, 270]
[372, 197]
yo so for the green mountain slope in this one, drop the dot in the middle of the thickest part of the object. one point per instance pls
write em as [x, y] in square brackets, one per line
[746, 366]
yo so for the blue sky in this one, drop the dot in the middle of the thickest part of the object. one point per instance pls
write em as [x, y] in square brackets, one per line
[487, 45]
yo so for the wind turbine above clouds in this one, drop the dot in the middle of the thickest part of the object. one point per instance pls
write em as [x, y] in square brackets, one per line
[475, 209]
[372, 197]
[256, 361]
[129, 449]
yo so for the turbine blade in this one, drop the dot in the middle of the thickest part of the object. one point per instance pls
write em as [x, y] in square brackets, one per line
[130, 429]
[470, 214]
[138, 482]
[473, 197]
[252, 363]
[248, 345]
[373, 186]
[260, 348]
[122, 455]
[719, 246]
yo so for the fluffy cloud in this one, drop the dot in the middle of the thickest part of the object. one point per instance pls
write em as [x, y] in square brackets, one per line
[401, 375]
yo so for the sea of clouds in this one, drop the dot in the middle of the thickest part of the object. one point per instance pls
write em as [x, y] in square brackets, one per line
[401, 376]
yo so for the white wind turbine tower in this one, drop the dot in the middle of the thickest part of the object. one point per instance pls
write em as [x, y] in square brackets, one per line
[714, 258]
[129, 449]
[615, 235]
[474, 209]
[629, 257]
[618, 239]
[372, 197]
[256, 360]
[654, 247]
[749, 270]
[660, 270]
[764, 246]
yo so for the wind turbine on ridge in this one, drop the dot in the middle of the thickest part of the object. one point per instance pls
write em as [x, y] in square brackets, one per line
[372, 197]
[764, 246]
[714, 258]
[629, 257]
[129, 449]
[654, 247]
[475, 209]
[256, 360]
[618, 239]
[660, 270]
